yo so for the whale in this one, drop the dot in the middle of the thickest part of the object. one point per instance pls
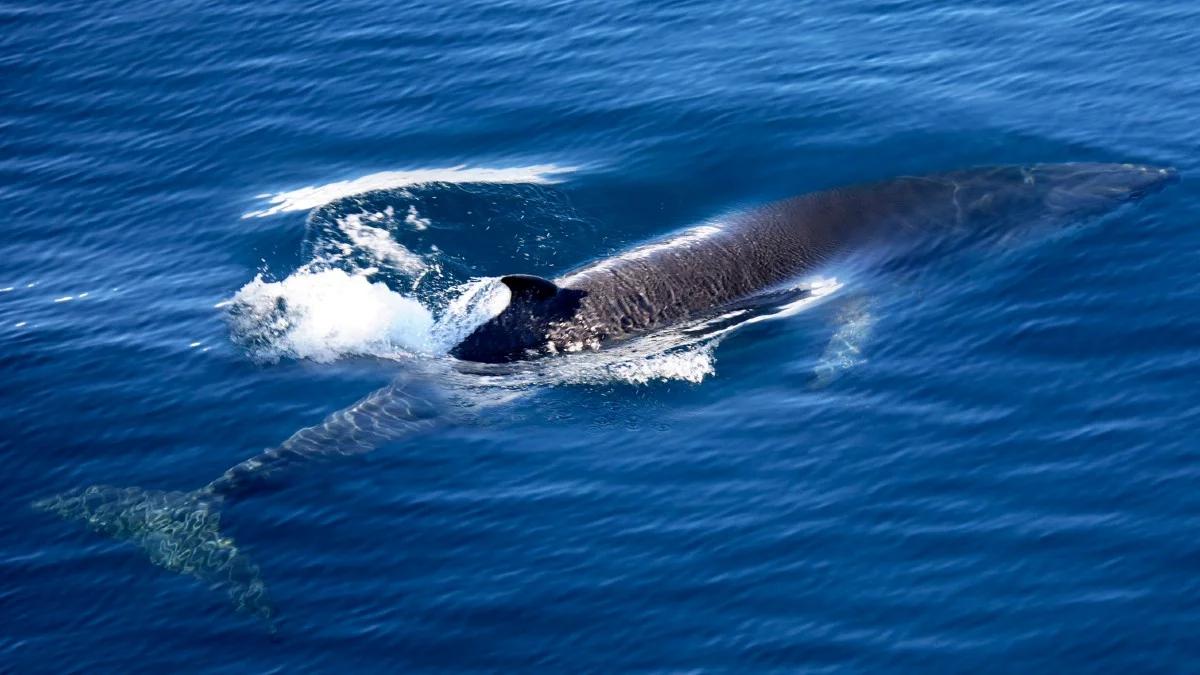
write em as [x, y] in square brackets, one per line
[740, 261]
[754, 254]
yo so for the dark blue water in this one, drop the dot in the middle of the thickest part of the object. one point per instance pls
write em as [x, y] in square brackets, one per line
[984, 462]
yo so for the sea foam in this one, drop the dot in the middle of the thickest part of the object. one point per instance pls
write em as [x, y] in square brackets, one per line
[327, 314]
[312, 196]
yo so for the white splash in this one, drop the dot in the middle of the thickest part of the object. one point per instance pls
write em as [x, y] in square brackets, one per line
[414, 219]
[311, 197]
[326, 315]
[474, 304]
[378, 243]
[691, 365]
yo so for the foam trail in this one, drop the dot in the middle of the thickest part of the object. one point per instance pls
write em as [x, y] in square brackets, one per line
[311, 197]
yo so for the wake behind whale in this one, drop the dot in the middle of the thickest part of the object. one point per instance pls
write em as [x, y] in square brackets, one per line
[669, 296]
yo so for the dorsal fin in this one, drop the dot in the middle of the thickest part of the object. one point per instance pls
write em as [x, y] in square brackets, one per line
[529, 287]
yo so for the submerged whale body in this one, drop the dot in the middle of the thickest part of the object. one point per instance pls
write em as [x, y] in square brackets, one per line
[717, 266]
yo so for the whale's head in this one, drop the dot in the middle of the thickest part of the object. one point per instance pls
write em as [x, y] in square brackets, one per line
[1085, 188]
[521, 328]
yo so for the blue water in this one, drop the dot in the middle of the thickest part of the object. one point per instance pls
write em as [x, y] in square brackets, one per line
[998, 473]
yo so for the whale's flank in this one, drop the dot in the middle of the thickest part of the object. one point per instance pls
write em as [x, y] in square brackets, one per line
[704, 268]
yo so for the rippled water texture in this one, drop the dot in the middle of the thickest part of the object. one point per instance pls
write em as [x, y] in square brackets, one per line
[226, 222]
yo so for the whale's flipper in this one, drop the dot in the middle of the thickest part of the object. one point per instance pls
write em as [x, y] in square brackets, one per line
[846, 347]
[179, 531]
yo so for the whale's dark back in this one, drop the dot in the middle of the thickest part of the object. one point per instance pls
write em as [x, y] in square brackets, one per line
[702, 269]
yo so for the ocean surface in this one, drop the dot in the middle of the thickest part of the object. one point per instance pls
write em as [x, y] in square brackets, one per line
[225, 222]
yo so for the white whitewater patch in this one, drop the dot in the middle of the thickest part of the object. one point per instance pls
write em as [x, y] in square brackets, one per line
[326, 315]
[692, 365]
[641, 361]
[311, 197]
[330, 314]
[378, 242]
[414, 219]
